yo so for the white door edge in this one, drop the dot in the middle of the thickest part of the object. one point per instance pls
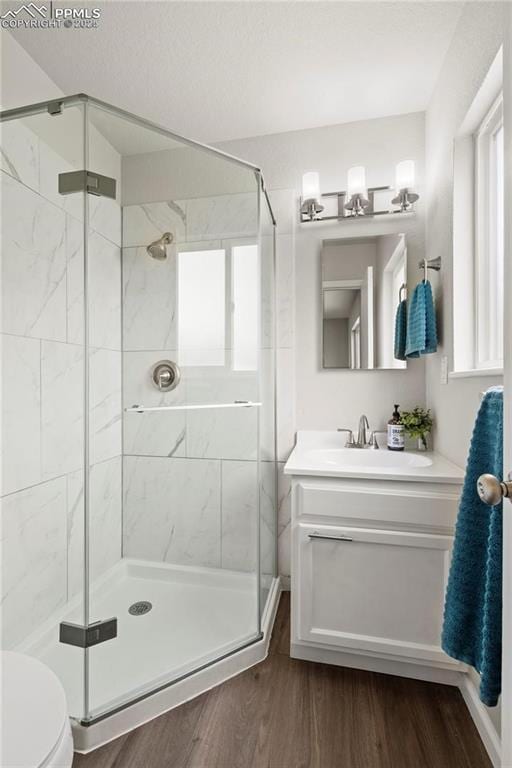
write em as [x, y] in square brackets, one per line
[506, 699]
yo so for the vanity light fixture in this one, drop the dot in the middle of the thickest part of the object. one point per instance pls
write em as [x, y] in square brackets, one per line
[356, 191]
[404, 183]
[358, 200]
[310, 204]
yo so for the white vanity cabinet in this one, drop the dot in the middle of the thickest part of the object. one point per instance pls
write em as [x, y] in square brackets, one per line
[372, 590]
[370, 563]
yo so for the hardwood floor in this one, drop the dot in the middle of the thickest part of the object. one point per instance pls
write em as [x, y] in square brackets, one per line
[286, 713]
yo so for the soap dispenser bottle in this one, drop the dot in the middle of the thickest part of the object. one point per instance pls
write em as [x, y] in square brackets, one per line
[396, 432]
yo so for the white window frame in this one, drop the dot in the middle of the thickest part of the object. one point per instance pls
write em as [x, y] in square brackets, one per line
[394, 277]
[474, 309]
[355, 344]
[231, 246]
[488, 286]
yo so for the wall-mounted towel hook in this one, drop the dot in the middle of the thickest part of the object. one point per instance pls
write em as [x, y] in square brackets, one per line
[426, 264]
[403, 288]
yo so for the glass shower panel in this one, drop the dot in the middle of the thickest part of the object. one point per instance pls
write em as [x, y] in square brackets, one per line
[43, 365]
[174, 482]
[267, 372]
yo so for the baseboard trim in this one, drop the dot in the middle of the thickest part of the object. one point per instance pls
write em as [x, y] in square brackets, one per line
[447, 675]
[481, 719]
[285, 583]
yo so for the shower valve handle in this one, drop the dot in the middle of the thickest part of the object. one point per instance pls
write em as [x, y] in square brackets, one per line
[165, 375]
[164, 378]
[491, 490]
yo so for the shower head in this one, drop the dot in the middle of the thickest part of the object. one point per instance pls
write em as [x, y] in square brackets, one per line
[158, 250]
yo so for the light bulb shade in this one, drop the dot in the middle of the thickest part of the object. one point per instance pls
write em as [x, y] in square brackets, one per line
[404, 175]
[356, 181]
[311, 186]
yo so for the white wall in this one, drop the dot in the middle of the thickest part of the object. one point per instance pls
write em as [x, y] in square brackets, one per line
[477, 39]
[329, 399]
[309, 397]
[29, 84]
[181, 173]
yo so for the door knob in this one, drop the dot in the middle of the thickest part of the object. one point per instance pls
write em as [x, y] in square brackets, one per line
[491, 490]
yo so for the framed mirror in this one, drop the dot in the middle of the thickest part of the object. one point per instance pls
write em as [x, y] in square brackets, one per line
[362, 281]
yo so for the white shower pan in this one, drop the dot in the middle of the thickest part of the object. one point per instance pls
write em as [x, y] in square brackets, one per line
[197, 616]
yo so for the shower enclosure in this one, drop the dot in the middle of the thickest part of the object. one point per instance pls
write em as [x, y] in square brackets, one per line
[139, 474]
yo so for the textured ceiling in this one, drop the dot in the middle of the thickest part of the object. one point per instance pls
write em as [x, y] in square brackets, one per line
[216, 71]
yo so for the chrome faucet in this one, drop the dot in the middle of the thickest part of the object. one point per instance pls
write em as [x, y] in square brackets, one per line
[362, 438]
[374, 443]
[361, 434]
[350, 439]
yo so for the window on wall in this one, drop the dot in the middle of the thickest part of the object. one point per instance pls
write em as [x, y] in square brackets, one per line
[478, 231]
[218, 306]
[489, 188]
[201, 307]
[245, 307]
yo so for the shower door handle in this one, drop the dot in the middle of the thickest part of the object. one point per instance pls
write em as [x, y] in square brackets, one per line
[491, 490]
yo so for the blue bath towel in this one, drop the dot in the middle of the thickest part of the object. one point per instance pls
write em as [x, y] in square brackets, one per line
[401, 330]
[472, 613]
[421, 323]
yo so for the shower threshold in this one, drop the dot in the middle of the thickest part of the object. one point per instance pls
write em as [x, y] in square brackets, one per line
[199, 632]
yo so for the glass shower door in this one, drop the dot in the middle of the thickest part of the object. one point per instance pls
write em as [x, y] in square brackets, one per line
[175, 403]
[43, 364]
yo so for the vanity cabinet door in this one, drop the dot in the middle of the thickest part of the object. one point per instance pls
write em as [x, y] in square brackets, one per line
[371, 590]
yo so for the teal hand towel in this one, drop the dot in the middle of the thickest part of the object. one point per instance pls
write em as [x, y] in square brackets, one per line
[472, 613]
[401, 330]
[421, 323]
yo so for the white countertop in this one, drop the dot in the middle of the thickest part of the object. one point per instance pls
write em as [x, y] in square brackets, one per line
[323, 453]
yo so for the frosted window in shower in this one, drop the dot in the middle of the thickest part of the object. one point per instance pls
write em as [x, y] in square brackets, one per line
[201, 307]
[245, 307]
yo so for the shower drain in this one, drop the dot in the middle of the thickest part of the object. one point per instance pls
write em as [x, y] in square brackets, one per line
[139, 608]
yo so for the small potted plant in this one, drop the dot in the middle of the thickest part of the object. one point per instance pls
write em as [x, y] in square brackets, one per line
[417, 424]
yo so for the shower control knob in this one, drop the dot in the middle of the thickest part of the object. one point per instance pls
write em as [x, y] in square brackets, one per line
[491, 490]
[165, 375]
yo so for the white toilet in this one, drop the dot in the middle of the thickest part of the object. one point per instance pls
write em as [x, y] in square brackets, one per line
[36, 732]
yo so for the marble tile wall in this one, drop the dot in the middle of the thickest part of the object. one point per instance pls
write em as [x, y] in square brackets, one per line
[42, 379]
[217, 448]
[172, 510]
[105, 504]
[191, 483]
[34, 558]
[197, 512]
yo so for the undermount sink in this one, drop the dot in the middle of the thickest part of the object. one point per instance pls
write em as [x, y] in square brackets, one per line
[346, 458]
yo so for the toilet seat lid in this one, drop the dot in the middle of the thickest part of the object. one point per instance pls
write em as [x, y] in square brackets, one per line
[34, 710]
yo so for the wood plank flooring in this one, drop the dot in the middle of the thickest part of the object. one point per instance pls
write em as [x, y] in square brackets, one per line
[286, 713]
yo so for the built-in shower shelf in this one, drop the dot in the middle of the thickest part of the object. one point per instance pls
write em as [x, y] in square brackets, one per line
[192, 407]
